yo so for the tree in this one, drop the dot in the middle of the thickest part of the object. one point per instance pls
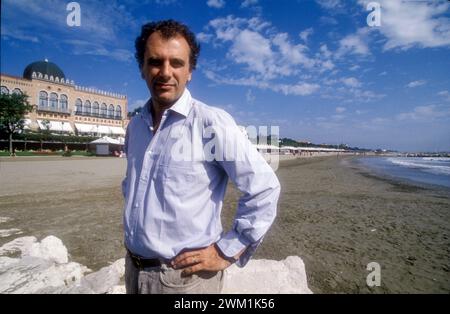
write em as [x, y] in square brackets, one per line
[12, 111]
[45, 131]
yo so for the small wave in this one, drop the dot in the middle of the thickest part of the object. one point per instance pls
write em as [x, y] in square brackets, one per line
[425, 166]
[444, 159]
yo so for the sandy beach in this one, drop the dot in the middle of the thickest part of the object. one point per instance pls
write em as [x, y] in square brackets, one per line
[335, 215]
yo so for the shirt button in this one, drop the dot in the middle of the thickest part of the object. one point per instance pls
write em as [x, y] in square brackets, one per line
[136, 205]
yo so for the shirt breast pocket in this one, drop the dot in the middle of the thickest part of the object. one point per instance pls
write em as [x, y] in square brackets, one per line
[182, 181]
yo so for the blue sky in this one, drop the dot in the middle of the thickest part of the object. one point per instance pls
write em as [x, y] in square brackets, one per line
[312, 67]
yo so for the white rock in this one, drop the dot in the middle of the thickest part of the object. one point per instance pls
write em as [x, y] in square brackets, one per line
[44, 268]
[33, 274]
[17, 245]
[267, 276]
[50, 248]
[103, 280]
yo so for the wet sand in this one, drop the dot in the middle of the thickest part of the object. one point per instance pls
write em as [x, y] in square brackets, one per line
[336, 216]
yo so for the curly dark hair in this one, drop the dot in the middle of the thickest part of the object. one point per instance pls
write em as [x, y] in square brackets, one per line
[168, 29]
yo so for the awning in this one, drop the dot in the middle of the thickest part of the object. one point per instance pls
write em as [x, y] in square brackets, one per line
[103, 129]
[59, 126]
[86, 128]
[117, 130]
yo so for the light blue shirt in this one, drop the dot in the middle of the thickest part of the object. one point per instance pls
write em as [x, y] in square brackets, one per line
[177, 177]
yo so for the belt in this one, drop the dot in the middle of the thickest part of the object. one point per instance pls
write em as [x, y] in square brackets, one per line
[142, 263]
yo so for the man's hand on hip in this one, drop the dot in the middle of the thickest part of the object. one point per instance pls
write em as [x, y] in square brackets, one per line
[207, 259]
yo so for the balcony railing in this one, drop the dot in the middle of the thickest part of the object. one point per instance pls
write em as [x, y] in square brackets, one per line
[97, 115]
[54, 109]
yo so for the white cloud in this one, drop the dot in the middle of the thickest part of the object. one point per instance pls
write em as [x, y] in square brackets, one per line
[326, 53]
[203, 37]
[354, 44]
[416, 83]
[351, 82]
[216, 3]
[301, 89]
[406, 24]
[270, 58]
[445, 94]
[254, 50]
[248, 3]
[306, 33]
[338, 117]
[327, 65]
[165, 2]
[293, 54]
[354, 67]
[46, 21]
[429, 112]
[340, 109]
[262, 50]
[329, 4]
[298, 89]
[250, 97]
[18, 34]
[83, 47]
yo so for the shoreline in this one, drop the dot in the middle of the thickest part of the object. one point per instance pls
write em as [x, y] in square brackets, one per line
[396, 180]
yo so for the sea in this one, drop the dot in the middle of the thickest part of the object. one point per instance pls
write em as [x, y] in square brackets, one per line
[422, 170]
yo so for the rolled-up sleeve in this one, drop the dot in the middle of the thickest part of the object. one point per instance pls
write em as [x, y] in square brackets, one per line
[258, 183]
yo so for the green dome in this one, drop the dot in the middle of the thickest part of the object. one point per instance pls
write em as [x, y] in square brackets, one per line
[44, 67]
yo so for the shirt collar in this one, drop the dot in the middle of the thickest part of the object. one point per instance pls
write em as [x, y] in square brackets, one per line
[181, 106]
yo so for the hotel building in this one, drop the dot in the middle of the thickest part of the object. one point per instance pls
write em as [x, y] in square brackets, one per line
[63, 107]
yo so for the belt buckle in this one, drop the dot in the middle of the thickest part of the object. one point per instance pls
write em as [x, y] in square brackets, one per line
[136, 260]
[138, 263]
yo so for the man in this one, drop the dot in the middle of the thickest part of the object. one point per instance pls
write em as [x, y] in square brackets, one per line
[173, 194]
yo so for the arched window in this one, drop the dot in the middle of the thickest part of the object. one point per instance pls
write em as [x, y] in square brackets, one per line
[78, 106]
[63, 102]
[53, 100]
[43, 99]
[111, 111]
[17, 91]
[103, 110]
[87, 107]
[118, 112]
[95, 107]
[4, 90]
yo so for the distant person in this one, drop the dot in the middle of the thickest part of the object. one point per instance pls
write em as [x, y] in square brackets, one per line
[172, 227]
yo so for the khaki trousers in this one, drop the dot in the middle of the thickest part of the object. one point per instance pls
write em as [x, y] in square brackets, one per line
[165, 279]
